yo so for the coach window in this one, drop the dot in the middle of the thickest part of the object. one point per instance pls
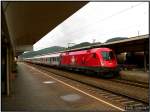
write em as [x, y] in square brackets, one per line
[56, 59]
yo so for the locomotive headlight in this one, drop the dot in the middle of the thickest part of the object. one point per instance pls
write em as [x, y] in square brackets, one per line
[102, 63]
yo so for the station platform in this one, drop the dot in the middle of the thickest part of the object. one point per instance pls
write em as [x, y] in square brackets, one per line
[135, 76]
[32, 91]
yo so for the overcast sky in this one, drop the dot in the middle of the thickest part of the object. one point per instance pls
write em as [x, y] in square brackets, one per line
[100, 21]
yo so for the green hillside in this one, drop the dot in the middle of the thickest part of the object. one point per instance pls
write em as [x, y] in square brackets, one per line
[116, 39]
[55, 49]
[43, 51]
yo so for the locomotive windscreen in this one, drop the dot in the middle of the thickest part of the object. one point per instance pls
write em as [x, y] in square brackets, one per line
[107, 55]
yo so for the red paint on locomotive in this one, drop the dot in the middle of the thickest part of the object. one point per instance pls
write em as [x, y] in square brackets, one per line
[96, 57]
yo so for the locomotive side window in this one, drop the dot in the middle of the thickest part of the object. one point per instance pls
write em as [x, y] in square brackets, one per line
[107, 55]
[94, 55]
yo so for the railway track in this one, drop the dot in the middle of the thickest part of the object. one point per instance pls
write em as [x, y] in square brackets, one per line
[142, 85]
[127, 102]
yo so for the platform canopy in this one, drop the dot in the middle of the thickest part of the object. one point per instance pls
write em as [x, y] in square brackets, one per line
[132, 44]
[28, 22]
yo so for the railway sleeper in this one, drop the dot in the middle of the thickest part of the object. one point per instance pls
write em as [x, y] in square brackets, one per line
[112, 95]
[128, 102]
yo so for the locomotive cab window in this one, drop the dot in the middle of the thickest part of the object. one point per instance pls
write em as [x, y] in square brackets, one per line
[107, 55]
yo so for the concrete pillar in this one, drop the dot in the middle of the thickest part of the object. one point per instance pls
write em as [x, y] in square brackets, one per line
[7, 71]
[3, 70]
[10, 65]
[145, 62]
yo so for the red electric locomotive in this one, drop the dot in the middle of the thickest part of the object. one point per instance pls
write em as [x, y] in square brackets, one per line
[99, 60]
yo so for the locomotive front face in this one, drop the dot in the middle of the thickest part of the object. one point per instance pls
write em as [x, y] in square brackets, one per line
[108, 59]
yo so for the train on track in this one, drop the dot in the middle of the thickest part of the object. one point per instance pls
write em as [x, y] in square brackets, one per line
[101, 61]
